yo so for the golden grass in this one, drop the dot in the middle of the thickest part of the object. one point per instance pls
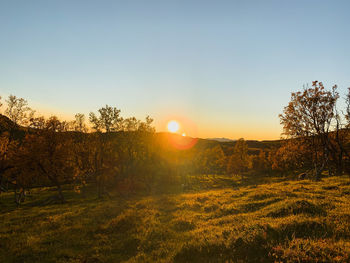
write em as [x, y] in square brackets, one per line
[286, 221]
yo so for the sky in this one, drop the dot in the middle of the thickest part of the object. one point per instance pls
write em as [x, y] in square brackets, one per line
[221, 68]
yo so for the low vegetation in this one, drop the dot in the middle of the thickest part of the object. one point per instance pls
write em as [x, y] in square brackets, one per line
[232, 220]
[118, 191]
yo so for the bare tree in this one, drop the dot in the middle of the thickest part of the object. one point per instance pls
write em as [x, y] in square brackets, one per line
[18, 111]
[79, 123]
[37, 122]
[347, 114]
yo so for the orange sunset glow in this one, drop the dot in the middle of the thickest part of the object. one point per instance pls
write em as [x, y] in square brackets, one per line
[174, 131]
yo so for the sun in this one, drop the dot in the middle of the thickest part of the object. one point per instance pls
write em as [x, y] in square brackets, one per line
[173, 126]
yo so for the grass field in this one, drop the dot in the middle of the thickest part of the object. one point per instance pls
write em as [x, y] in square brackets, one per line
[230, 221]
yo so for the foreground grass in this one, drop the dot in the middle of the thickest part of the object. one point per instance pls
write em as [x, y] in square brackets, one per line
[286, 221]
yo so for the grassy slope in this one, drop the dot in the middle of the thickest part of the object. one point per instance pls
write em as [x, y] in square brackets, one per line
[283, 220]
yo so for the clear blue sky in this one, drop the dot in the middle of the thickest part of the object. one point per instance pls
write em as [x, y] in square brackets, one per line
[227, 66]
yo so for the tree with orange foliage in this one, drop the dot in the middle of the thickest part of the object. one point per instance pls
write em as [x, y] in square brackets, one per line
[260, 162]
[6, 148]
[311, 117]
[212, 160]
[293, 154]
[103, 162]
[47, 153]
[238, 162]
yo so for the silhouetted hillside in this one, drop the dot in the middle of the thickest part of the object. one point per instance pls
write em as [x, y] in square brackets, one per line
[170, 139]
[221, 139]
[6, 125]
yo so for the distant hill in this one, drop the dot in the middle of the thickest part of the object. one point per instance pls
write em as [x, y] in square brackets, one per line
[221, 139]
[227, 145]
[6, 124]
[200, 144]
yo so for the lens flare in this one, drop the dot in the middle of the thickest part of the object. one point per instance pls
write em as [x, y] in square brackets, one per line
[182, 142]
[182, 132]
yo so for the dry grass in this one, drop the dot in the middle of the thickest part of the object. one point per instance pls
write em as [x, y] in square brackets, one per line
[287, 221]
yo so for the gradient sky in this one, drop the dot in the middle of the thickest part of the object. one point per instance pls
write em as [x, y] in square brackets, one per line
[225, 68]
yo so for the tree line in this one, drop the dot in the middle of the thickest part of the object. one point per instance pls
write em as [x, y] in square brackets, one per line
[128, 155]
[39, 151]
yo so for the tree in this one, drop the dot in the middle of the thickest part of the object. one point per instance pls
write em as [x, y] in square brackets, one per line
[131, 124]
[108, 119]
[21, 176]
[104, 162]
[135, 151]
[79, 123]
[238, 162]
[311, 116]
[37, 123]
[7, 147]
[146, 126]
[260, 162]
[18, 111]
[212, 160]
[347, 114]
[293, 154]
[47, 153]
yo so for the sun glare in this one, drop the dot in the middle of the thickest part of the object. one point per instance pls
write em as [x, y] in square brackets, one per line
[173, 126]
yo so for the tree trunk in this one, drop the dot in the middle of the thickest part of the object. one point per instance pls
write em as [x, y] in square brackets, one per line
[99, 190]
[318, 171]
[100, 186]
[17, 201]
[60, 193]
[339, 168]
[19, 196]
